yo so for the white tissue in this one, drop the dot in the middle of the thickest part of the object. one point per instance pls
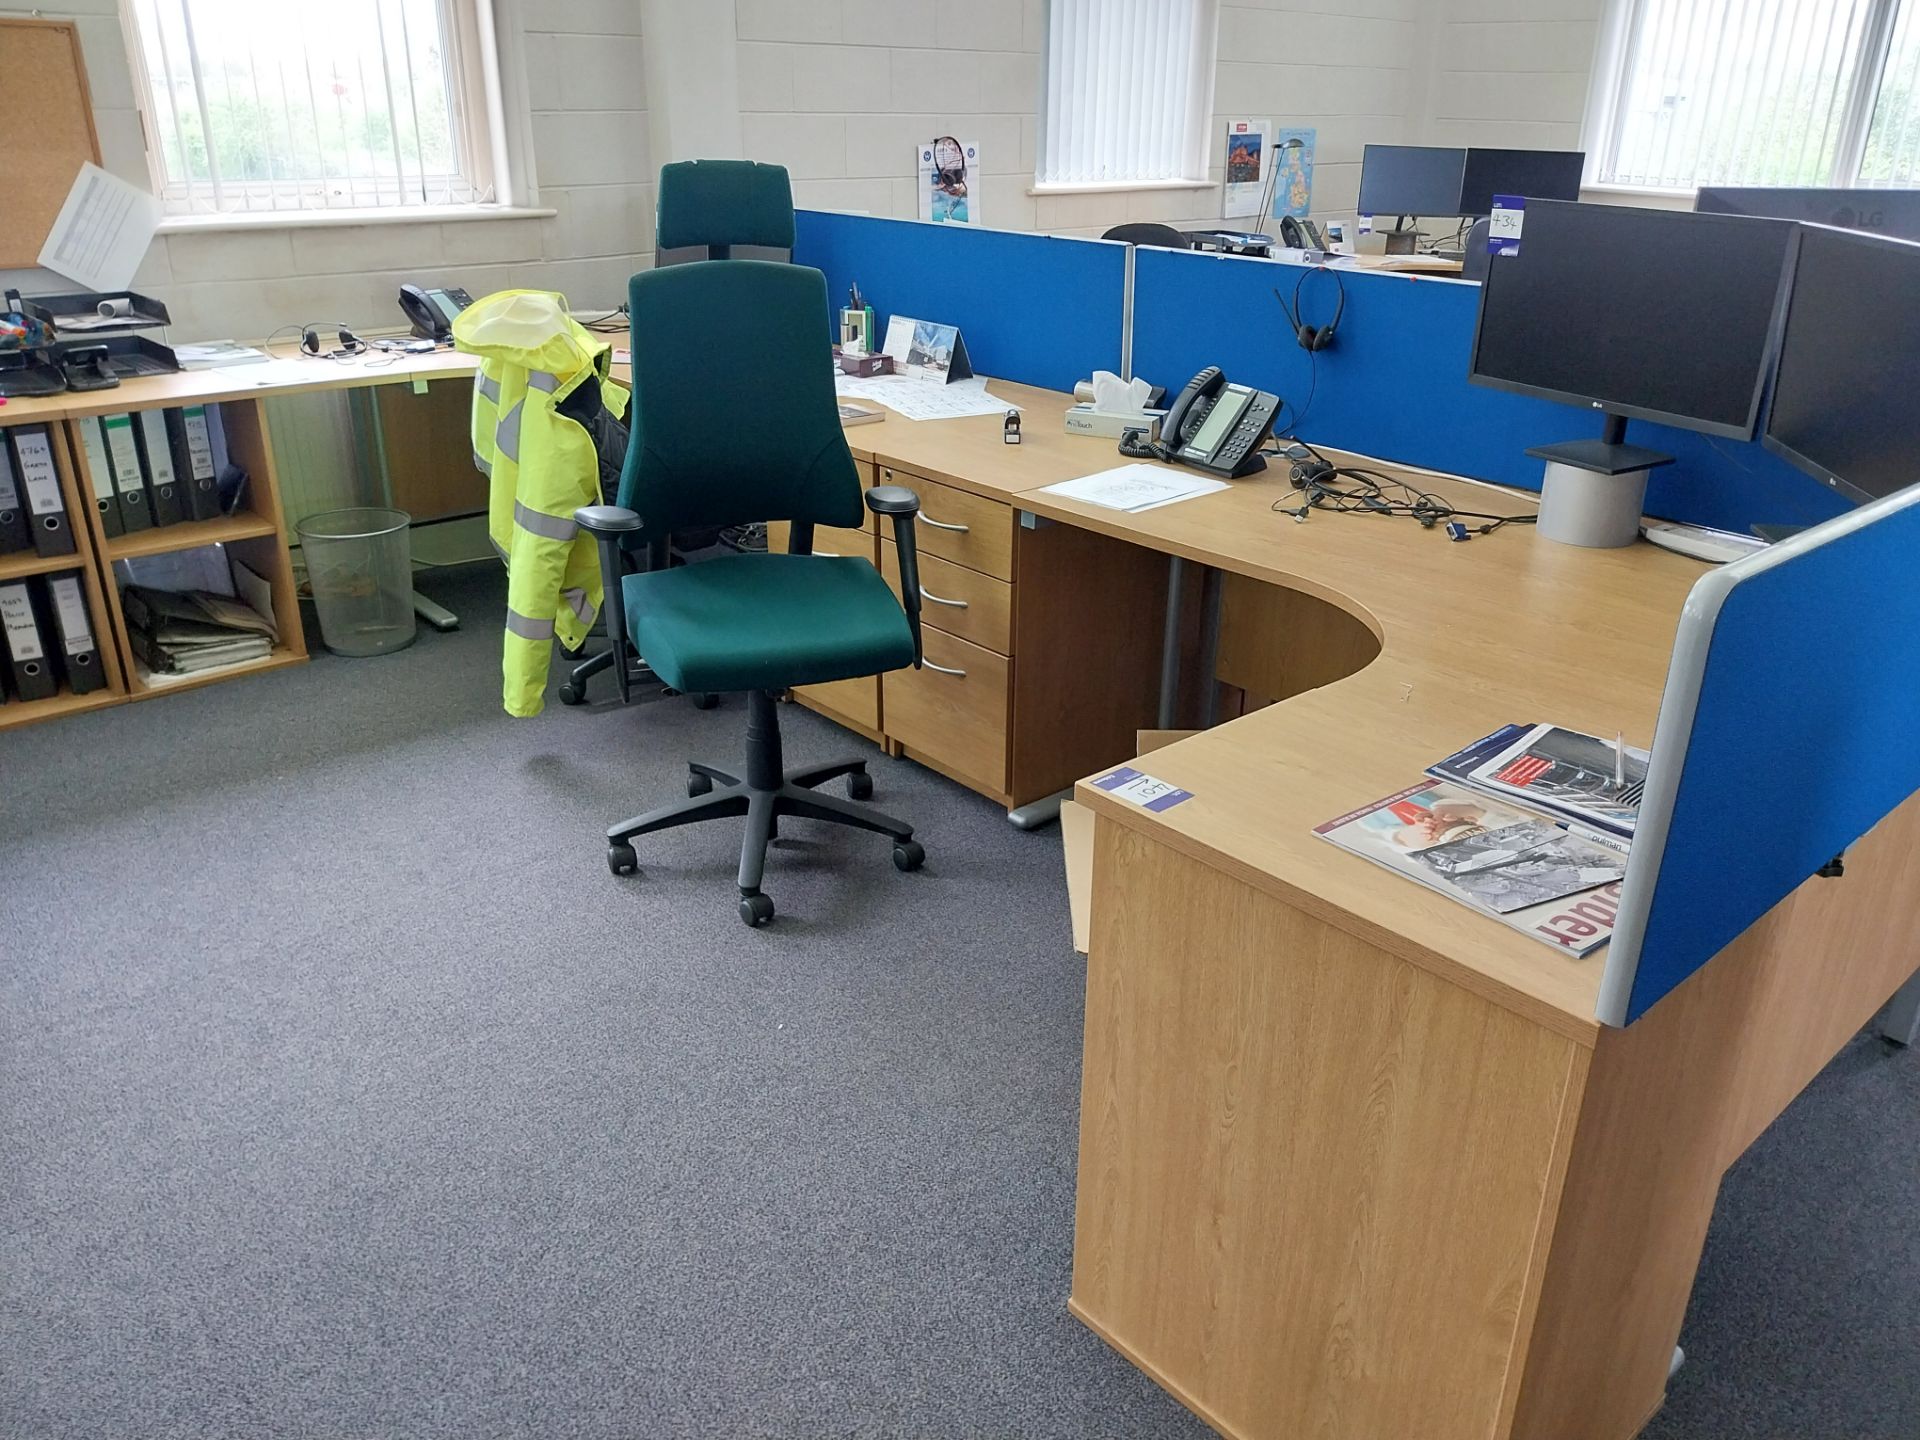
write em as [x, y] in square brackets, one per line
[1114, 396]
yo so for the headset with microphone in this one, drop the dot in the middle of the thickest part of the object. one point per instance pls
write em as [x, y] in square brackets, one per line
[1313, 338]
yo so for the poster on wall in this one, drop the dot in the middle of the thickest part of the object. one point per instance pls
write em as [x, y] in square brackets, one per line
[1249, 160]
[1293, 185]
[947, 170]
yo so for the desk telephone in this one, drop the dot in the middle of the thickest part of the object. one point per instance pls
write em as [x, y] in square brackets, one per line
[1219, 427]
[432, 311]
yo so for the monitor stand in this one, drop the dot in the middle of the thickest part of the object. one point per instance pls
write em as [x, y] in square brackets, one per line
[1594, 490]
[1403, 242]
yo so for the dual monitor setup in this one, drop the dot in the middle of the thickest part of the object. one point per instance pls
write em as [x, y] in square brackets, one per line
[1704, 321]
[1458, 181]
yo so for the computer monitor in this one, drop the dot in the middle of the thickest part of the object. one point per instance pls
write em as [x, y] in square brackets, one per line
[1843, 405]
[1535, 174]
[1650, 313]
[1411, 179]
[1887, 212]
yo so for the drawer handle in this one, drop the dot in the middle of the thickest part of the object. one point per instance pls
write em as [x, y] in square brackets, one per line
[926, 594]
[942, 525]
[941, 668]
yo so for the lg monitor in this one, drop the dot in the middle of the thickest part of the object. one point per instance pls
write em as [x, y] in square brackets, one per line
[1655, 314]
[1411, 179]
[1534, 174]
[1886, 212]
[1843, 405]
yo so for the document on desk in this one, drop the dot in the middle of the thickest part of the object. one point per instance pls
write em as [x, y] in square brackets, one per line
[915, 399]
[1135, 487]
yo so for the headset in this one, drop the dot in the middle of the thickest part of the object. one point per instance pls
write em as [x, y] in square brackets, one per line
[1313, 338]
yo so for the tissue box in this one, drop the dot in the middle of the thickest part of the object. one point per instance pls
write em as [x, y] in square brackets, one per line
[1083, 419]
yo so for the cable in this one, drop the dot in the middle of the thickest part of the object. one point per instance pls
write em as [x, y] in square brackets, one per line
[614, 322]
[1373, 492]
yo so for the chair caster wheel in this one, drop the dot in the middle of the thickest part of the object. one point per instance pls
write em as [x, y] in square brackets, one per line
[859, 786]
[620, 858]
[756, 909]
[698, 785]
[705, 700]
[909, 855]
[571, 694]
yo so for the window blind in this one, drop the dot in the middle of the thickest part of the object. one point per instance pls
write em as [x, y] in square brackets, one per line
[1129, 88]
[1765, 92]
[313, 104]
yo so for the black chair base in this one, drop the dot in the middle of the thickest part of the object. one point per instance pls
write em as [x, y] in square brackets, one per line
[763, 797]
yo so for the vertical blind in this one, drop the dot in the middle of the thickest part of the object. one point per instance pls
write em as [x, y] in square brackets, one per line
[1129, 88]
[1766, 92]
[313, 104]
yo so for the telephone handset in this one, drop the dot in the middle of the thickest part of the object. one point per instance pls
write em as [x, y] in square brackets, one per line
[1219, 427]
[432, 311]
[1301, 234]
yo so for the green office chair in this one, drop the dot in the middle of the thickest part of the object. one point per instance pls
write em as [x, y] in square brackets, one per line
[702, 210]
[750, 433]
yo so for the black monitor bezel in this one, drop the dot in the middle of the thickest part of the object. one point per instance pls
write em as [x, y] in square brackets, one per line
[1517, 150]
[1637, 412]
[1804, 463]
[1461, 150]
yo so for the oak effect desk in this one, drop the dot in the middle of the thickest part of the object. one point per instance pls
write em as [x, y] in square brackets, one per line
[1354, 1160]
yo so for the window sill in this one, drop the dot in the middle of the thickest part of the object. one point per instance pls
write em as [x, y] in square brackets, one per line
[320, 219]
[1115, 187]
[1661, 192]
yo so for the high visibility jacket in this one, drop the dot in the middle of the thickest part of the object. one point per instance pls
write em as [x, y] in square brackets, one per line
[541, 467]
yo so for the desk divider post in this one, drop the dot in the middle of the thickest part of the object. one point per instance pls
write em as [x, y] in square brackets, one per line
[1170, 643]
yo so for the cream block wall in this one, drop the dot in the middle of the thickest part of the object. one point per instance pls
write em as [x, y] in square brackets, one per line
[1513, 72]
[841, 91]
[585, 96]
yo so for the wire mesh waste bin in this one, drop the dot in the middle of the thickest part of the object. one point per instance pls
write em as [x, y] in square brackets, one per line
[360, 567]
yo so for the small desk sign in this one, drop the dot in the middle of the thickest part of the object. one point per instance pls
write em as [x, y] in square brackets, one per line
[1130, 785]
[1503, 225]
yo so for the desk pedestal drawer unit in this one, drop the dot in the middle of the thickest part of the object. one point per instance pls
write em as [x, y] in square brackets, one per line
[1038, 643]
[852, 703]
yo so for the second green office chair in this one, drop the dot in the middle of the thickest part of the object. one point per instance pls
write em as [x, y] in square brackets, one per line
[736, 421]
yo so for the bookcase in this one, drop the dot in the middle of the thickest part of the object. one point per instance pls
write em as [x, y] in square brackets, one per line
[84, 562]
[256, 536]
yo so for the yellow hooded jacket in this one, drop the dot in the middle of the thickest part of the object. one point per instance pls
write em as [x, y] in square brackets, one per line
[541, 467]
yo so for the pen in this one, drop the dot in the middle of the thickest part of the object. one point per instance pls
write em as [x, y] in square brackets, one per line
[1620, 759]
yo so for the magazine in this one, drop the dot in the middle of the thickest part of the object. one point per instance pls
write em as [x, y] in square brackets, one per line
[1575, 777]
[1537, 874]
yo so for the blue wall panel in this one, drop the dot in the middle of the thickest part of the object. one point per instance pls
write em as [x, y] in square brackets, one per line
[1805, 735]
[1039, 309]
[1394, 384]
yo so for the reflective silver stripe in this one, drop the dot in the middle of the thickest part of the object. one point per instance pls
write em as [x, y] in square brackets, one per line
[488, 386]
[577, 602]
[527, 629]
[541, 380]
[498, 548]
[547, 527]
[482, 464]
[506, 435]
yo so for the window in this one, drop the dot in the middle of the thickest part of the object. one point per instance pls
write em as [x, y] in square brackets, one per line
[278, 105]
[1761, 92]
[1129, 89]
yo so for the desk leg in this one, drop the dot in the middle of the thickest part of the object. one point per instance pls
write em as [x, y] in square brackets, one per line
[1044, 811]
[1170, 644]
[1212, 586]
[1900, 1021]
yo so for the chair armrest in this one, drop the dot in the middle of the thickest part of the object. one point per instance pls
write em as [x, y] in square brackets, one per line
[603, 520]
[904, 506]
[607, 524]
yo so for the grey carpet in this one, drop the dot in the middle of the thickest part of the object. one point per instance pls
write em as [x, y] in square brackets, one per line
[343, 1093]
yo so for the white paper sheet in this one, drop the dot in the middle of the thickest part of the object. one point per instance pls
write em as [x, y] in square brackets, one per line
[924, 399]
[1134, 488]
[102, 233]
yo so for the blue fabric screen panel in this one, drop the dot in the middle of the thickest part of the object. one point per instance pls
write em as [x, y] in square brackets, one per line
[1039, 309]
[1394, 383]
[1787, 731]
